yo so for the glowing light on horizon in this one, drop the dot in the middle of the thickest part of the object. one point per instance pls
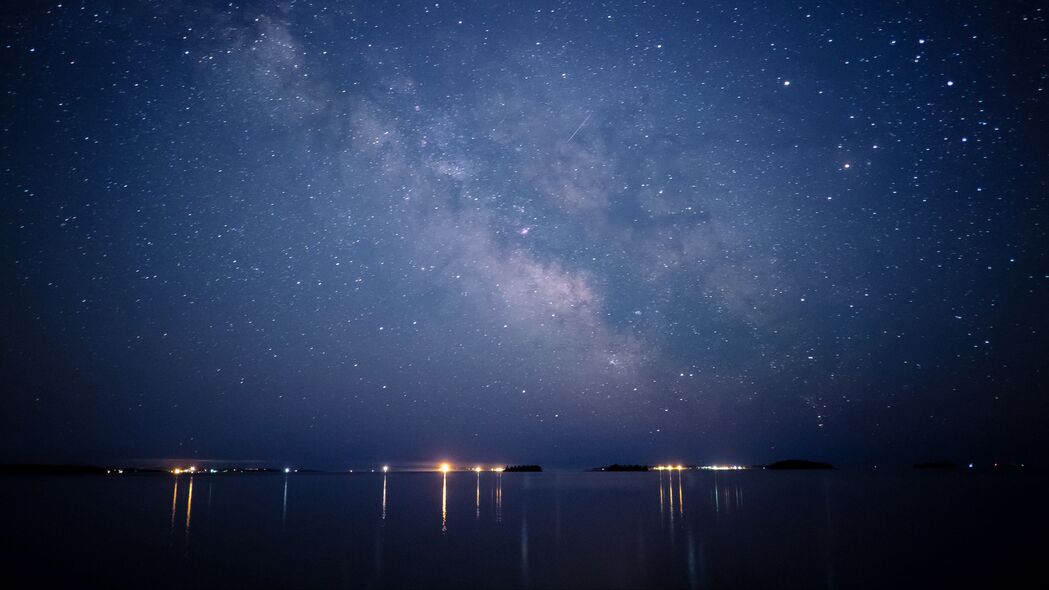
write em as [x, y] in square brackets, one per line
[498, 469]
[724, 467]
[444, 468]
[477, 469]
[385, 468]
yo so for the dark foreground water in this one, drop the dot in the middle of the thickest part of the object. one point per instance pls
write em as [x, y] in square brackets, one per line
[693, 530]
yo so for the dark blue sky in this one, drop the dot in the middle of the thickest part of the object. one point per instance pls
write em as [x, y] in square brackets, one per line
[335, 234]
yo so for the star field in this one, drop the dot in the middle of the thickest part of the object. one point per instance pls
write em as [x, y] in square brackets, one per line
[527, 232]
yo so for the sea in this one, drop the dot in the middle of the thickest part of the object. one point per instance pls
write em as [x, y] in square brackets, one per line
[678, 529]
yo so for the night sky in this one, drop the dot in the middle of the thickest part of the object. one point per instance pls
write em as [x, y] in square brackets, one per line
[563, 233]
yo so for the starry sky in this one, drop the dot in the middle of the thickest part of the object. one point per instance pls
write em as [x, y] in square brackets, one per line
[555, 232]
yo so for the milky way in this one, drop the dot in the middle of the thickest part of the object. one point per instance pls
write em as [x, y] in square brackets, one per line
[524, 232]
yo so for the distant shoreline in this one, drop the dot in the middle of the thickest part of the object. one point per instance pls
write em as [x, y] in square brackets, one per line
[25, 469]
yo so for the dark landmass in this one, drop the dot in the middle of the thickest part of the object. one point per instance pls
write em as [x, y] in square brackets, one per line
[37, 469]
[71, 470]
[935, 465]
[522, 468]
[52, 470]
[618, 467]
[798, 464]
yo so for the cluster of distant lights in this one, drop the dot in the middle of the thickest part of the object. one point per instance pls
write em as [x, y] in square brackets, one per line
[706, 467]
[442, 468]
[448, 467]
[192, 470]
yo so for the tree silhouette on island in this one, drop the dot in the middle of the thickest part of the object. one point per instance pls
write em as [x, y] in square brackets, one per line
[522, 468]
[618, 467]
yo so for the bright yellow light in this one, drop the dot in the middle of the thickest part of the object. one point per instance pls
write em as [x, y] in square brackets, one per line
[497, 469]
[679, 468]
[477, 469]
[176, 471]
[445, 468]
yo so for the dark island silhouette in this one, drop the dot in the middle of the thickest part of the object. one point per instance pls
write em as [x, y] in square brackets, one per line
[65, 469]
[522, 468]
[618, 467]
[36, 469]
[798, 464]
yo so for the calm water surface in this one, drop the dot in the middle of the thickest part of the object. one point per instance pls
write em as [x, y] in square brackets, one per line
[549, 530]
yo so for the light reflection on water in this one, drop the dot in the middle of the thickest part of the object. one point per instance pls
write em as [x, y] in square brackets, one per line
[726, 493]
[189, 504]
[384, 496]
[680, 495]
[284, 503]
[498, 497]
[444, 502]
[660, 496]
[550, 529]
[174, 505]
[175, 508]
